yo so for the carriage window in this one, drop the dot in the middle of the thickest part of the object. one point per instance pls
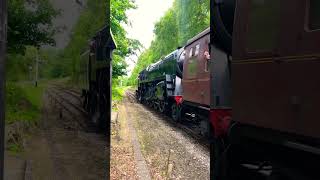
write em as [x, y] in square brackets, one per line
[314, 14]
[263, 26]
[190, 52]
[207, 61]
[197, 50]
[206, 66]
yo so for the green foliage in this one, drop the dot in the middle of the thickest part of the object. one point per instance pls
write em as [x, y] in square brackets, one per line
[118, 88]
[17, 65]
[29, 27]
[117, 93]
[34, 94]
[92, 19]
[126, 46]
[18, 106]
[192, 17]
[23, 104]
[52, 65]
[15, 149]
[184, 20]
[29, 24]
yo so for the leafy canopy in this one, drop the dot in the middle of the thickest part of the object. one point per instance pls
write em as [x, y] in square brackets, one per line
[30, 23]
[126, 46]
[184, 20]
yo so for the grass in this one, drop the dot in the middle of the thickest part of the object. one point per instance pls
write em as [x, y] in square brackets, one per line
[18, 106]
[15, 149]
[23, 105]
[118, 92]
[34, 94]
[117, 95]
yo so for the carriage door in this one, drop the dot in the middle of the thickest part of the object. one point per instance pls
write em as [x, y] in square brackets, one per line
[203, 57]
[307, 61]
[189, 81]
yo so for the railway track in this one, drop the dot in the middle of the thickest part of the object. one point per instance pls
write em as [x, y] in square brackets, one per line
[71, 92]
[185, 127]
[69, 103]
[66, 140]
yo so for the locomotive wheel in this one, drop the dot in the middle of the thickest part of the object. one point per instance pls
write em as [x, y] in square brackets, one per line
[162, 106]
[175, 112]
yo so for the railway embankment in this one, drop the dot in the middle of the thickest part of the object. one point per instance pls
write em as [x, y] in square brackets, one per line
[122, 162]
[168, 151]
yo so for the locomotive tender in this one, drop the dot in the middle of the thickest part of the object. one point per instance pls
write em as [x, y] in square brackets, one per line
[95, 78]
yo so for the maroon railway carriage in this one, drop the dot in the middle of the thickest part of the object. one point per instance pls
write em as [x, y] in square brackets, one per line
[274, 132]
[196, 83]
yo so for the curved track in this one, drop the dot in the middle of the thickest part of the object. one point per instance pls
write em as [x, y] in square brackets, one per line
[188, 129]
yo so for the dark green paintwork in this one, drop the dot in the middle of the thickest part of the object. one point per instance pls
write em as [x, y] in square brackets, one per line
[160, 69]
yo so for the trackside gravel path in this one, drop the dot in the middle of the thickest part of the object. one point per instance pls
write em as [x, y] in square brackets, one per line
[142, 169]
[168, 151]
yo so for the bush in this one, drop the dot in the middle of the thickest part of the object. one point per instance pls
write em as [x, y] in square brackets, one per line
[18, 107]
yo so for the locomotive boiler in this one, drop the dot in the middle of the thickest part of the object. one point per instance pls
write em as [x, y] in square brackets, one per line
[160, 83]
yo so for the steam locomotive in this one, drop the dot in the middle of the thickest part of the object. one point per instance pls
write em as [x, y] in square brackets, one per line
[178, 84]
[160, 83]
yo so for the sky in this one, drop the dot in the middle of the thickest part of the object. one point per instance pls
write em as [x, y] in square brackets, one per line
[142, 23]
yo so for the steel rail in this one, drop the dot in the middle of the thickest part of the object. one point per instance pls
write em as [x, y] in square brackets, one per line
[65, 104]
[189, 131]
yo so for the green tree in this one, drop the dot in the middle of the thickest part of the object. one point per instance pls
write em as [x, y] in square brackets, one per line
[30, 24]
[92, 19]
[126, 46]
[184, 20]
[192, 17]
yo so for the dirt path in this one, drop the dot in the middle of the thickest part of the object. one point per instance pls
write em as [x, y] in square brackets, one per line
[123, 165]
[142, 169]
[14, 167]
[59, 153]
[169, 152]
